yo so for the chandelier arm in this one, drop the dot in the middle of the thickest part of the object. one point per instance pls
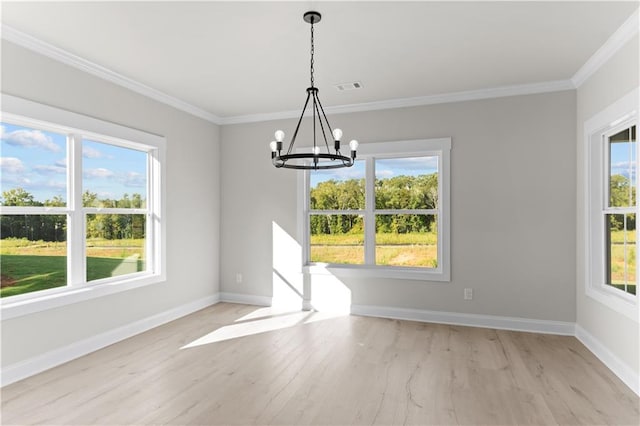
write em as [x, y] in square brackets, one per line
[325, 117]
[324, 135]
[295, 134]
[314, 107]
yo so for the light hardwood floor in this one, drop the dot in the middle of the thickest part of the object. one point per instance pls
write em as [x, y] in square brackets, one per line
[238, 364]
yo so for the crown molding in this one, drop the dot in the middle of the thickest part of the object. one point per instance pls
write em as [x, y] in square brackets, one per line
[470, 95]
[626, 31]
[617, 40]
[29, 42]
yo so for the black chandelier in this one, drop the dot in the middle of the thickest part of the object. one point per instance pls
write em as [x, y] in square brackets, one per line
[315, 159]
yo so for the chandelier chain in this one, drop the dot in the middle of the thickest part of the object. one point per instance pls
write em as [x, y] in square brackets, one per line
[312, 52]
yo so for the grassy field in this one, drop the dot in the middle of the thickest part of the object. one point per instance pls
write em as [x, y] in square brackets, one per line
[618, 260]
[618, 236]
[420, 249]
[37, 265]
[618, 263]
[412, 249]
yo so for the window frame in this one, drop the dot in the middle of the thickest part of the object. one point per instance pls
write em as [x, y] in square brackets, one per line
[368, 152]
[78, 127]
[597, 131]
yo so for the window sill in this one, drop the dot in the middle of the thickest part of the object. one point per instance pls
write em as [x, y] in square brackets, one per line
[405, 273]
[32, 303]
[622, 303]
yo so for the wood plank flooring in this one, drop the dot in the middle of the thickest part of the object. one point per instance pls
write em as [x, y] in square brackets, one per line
[239, 365]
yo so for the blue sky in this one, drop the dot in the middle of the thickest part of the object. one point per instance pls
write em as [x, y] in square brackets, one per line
[37, 161]
[622, 159]
[385, 168]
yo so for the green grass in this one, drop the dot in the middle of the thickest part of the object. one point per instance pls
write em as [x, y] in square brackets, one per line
[95, 247]
[381, 238]
[618, 263]
[425, 256]
[337, 239]
[29, 266]
[22, 246]
[350, 255]
[104, 267]
[410, 249]
[26, 275]
[410, 238]
[618, 236]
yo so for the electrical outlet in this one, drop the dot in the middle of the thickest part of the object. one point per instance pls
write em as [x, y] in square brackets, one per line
[468, 294]
[238, 278]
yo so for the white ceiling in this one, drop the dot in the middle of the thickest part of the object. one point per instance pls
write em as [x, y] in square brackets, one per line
[238, 58]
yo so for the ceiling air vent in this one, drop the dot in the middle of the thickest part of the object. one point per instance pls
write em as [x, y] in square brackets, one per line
[348, 86]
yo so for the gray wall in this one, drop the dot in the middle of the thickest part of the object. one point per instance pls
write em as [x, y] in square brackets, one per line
[614, 80]
[193, 203]
[513, 205]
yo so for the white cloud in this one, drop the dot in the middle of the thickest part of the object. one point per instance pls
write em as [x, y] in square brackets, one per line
[133, 179]
[100, 173]
[62, 162]
[28, 139]
[11, 165]
[16, 181]
[50, 170]
[55, 185]
[89, 152]
[414, 164]
[624, 165]
[385, 173]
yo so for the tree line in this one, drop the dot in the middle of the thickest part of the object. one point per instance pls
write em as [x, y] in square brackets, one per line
[36, 227]
[621, 195]
[399, 192]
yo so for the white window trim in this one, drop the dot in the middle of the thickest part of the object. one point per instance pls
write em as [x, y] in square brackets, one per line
[50, 118]
[623, 112]
[423, 147]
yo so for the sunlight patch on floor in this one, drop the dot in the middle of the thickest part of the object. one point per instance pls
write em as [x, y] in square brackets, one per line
[268, 311]
[250, 327]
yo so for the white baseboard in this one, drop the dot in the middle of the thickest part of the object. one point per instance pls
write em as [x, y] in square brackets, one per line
[35, 365]
[247, 299]
[23, 369]
[470, 320]
[617, 366]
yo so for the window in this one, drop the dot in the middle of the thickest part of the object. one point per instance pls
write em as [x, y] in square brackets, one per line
[620, 209]
[387, 215]
[78, 208]
[336, 215]
[611, 206]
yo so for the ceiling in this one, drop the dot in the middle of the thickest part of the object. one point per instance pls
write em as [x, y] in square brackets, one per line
[234, 59]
